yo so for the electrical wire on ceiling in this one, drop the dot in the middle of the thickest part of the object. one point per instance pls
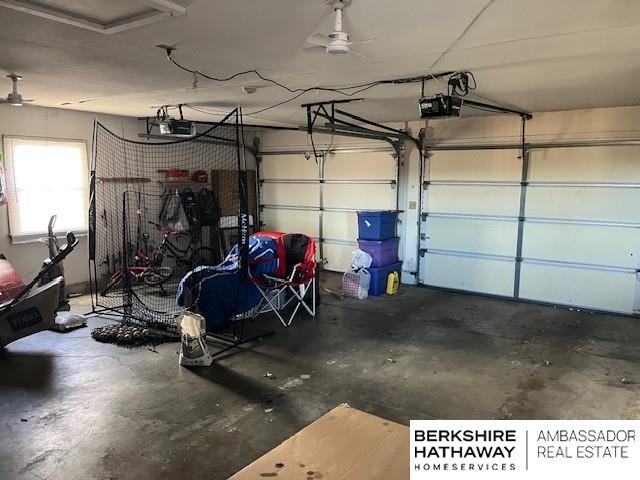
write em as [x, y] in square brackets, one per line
[277, 104]
[341, 90]
[461, 83]
[363, 89]
[302, 92]
[348, 91]
[222, 113]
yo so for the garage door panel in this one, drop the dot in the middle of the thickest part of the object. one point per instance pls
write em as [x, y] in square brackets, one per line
[469, 273]
[585, 164]
[291, 221]
[288, 166]
[460, 246]
[485, 200]
[358, 166]
[477, 165]
[289, 194]
[373, 197]
[284, 189]
[602, 290]
[340, 225]
[338, 257]
[616, 204]
[592, 244]
[579, 258]
[472, 235]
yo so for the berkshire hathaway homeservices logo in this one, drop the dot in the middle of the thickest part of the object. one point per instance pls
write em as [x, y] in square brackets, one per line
[524, 449]
[469, 449]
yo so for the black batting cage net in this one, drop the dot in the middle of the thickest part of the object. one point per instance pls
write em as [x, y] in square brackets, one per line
[159, 209]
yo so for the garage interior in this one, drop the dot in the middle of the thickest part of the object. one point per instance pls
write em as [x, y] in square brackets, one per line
[518, 227]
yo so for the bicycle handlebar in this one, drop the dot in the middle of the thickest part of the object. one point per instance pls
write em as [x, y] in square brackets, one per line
[168, 231]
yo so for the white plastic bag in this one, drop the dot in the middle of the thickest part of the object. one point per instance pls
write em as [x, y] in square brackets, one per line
[360, 259]
[69, 320]
[355, 284]
[172, 214]
[193, 333]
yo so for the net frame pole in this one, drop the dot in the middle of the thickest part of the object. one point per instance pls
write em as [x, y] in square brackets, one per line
[93, 272]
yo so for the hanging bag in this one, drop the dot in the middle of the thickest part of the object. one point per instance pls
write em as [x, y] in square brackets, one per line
[190, 204]
[172, 215]
[208, 206]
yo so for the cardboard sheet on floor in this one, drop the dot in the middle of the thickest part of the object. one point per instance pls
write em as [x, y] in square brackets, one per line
[344, 444]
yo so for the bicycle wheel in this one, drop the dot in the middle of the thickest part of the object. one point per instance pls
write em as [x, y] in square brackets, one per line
[157, 276]
[202, 256]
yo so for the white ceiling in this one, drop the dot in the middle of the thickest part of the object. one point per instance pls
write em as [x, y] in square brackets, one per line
[534, 55]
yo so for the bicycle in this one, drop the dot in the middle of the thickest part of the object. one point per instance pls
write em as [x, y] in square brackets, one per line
[150, 270]
[143, 269]
[191, 256]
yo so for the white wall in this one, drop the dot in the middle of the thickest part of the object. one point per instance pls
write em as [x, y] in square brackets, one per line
[63, 124]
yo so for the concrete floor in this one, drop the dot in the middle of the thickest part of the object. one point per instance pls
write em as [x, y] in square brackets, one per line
[72, 408]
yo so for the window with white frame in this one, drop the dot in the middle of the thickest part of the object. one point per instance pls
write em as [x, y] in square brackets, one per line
[45, 177]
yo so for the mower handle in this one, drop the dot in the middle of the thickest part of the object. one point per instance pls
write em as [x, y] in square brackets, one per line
[66, 249]
[72, 242]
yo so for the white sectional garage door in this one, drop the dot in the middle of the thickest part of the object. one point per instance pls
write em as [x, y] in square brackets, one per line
[469, 233]
[320, 199]
[579, 217]
[582, 234]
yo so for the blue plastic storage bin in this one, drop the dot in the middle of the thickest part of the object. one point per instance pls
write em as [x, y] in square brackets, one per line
[378, 284]
[377, 225]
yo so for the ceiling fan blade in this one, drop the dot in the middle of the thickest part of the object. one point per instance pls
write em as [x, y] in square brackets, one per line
[361, 42]
[219, 104]
[315, 49]
[28, 100]
[76, 102]
[319, 39]
[356, 53]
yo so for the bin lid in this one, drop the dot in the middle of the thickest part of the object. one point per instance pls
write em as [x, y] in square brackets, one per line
[377, 213]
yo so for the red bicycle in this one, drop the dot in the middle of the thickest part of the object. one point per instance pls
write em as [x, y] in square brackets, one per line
[144, 270]
[149, 269]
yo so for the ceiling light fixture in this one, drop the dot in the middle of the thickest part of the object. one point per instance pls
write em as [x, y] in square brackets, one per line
[14, 98]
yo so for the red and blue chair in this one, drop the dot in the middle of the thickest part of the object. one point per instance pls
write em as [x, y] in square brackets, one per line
[294, 280]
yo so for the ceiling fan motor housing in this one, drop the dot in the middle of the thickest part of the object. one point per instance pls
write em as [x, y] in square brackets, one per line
[14, 99]
[339, 43]
[338, 3]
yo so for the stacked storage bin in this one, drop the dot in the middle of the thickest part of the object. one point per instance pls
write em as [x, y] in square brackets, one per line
[377, 237]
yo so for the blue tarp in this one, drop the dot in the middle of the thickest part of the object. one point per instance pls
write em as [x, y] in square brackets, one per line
[220, 291]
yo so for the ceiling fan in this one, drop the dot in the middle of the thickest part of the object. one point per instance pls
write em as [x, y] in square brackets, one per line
[14, 98]
[336, 42]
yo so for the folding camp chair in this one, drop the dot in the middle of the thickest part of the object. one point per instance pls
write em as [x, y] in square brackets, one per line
[294, 277]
